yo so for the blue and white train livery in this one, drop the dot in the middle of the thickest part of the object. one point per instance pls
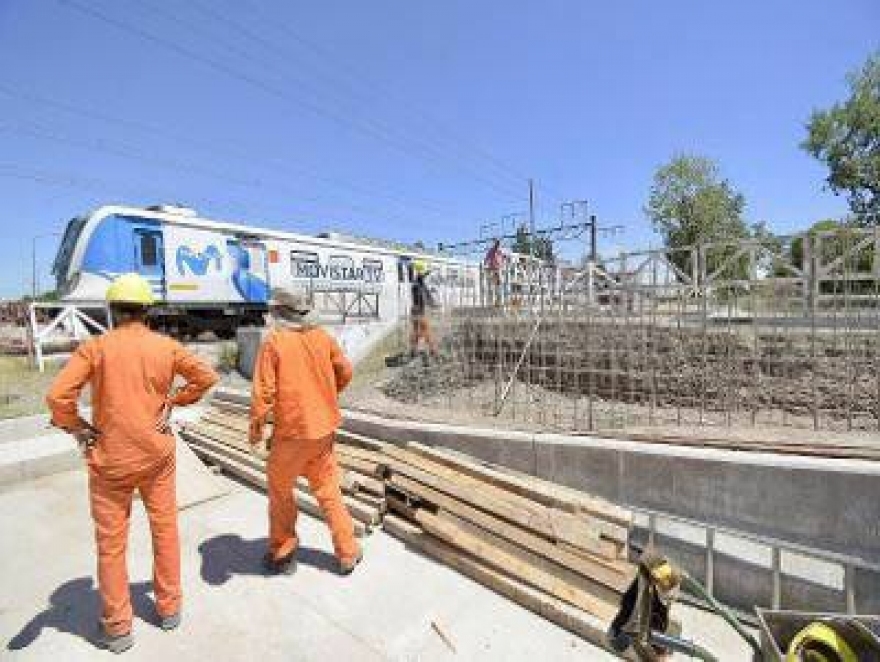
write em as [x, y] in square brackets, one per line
[211, 275]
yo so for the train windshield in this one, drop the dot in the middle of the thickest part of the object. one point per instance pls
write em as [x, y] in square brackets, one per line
[71, 234]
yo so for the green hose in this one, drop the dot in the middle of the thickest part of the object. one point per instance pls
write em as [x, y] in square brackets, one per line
[691, 585]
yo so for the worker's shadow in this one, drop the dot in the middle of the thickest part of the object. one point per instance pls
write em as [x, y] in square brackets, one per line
[227, 555]
[74, 608]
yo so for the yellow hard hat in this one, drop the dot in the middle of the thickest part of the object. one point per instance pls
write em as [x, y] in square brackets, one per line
[420, 267]
[820, 641]
[130, 288]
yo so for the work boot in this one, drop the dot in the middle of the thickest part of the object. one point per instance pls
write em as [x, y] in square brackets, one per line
[115, 643]
[168, 623]
[283, 566]
[346, 567]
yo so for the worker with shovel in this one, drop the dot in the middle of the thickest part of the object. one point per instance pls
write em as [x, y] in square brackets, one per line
[299, 373]
[130, 447]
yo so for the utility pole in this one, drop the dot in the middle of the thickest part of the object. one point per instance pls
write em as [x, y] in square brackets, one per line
[594, 248]
[34, 280]
[531, 269]
[34, 268]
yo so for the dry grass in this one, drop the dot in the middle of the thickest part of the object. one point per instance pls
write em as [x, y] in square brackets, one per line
[22, 387]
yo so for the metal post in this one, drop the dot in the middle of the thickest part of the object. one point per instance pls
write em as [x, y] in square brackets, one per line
[710, 560]
[849, 584]
[33, 268]
[776, 600]
[594, 246]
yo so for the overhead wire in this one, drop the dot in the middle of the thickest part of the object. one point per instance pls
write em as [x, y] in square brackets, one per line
[260, 84]
[357, 77]
[354, 80]
[127, 152]
[227, 145]
[77, 181]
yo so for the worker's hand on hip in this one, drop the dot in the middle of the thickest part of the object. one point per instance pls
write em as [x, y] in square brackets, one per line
[163, 422]
[86, 437]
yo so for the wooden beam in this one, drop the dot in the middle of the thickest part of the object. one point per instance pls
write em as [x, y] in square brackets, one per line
[542, 491]
[513, 565]
[305, 502]
[613, 574]
[570, 618]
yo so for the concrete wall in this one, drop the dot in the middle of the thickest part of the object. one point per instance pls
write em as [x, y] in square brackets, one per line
[828, 504]
[356, 339]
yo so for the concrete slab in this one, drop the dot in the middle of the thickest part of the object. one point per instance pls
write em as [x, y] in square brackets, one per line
[30, 458]
[195, 483]
[232, 611]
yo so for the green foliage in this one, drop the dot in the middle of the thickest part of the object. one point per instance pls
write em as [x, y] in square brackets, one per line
[830, 240]
[227, 361]
[524, 242]
[690, 204]
[846, 137]
[797, 244]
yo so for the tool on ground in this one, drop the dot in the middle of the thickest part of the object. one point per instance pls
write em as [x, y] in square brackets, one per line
[643, 624]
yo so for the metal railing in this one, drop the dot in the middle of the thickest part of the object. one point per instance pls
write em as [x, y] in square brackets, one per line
[848, 564]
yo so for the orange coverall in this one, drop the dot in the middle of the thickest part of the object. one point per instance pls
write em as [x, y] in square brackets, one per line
[131, 371]
[298, 376]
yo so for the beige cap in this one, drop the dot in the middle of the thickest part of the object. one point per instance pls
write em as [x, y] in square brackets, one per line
[290, 305]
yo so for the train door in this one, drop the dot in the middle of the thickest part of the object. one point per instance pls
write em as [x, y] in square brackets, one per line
[149, 258]
[250, 273]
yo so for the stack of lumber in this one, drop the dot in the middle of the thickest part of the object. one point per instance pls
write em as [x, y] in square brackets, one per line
[220, 438]
[556, 551]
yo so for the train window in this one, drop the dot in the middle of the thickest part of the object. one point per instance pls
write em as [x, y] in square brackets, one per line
[404, 270]
[149, 250]
[304, 264]
[373, 271]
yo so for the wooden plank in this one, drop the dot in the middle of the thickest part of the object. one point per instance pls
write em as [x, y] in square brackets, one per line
[567, 576]
[364, 483]
[232, 452]
[359, 511]
[575, 621]
[355, 439]
[550, 523]
[360, 453]
[543, 491]
[559, 525]
[371, 501]
[512, 564]
[613, 574]
[371, 469]
[472, 496]
[399, 506]
[305, 502]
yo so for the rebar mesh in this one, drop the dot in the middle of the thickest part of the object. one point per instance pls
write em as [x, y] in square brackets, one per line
[781, 332]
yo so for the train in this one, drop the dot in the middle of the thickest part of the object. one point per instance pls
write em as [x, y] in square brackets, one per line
[210, 275]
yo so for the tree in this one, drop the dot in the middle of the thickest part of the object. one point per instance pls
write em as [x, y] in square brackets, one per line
[846, 137]
[690, 204]
[832, 240]
[797, 244]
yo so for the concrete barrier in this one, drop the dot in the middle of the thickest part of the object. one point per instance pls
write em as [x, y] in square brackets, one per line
[357, 340]
[14, 429]
[824, 504]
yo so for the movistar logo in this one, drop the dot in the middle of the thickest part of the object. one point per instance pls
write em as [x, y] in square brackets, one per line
[198, 263]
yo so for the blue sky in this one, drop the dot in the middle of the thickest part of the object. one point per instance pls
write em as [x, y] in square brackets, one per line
[408, 120]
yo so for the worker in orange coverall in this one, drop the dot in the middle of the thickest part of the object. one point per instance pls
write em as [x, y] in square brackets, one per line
[131, 371]
[299, 373]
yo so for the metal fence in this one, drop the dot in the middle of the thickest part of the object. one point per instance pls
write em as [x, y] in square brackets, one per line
[758, 333]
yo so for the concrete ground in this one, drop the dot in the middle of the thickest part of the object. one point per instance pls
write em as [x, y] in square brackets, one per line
[385, 611]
